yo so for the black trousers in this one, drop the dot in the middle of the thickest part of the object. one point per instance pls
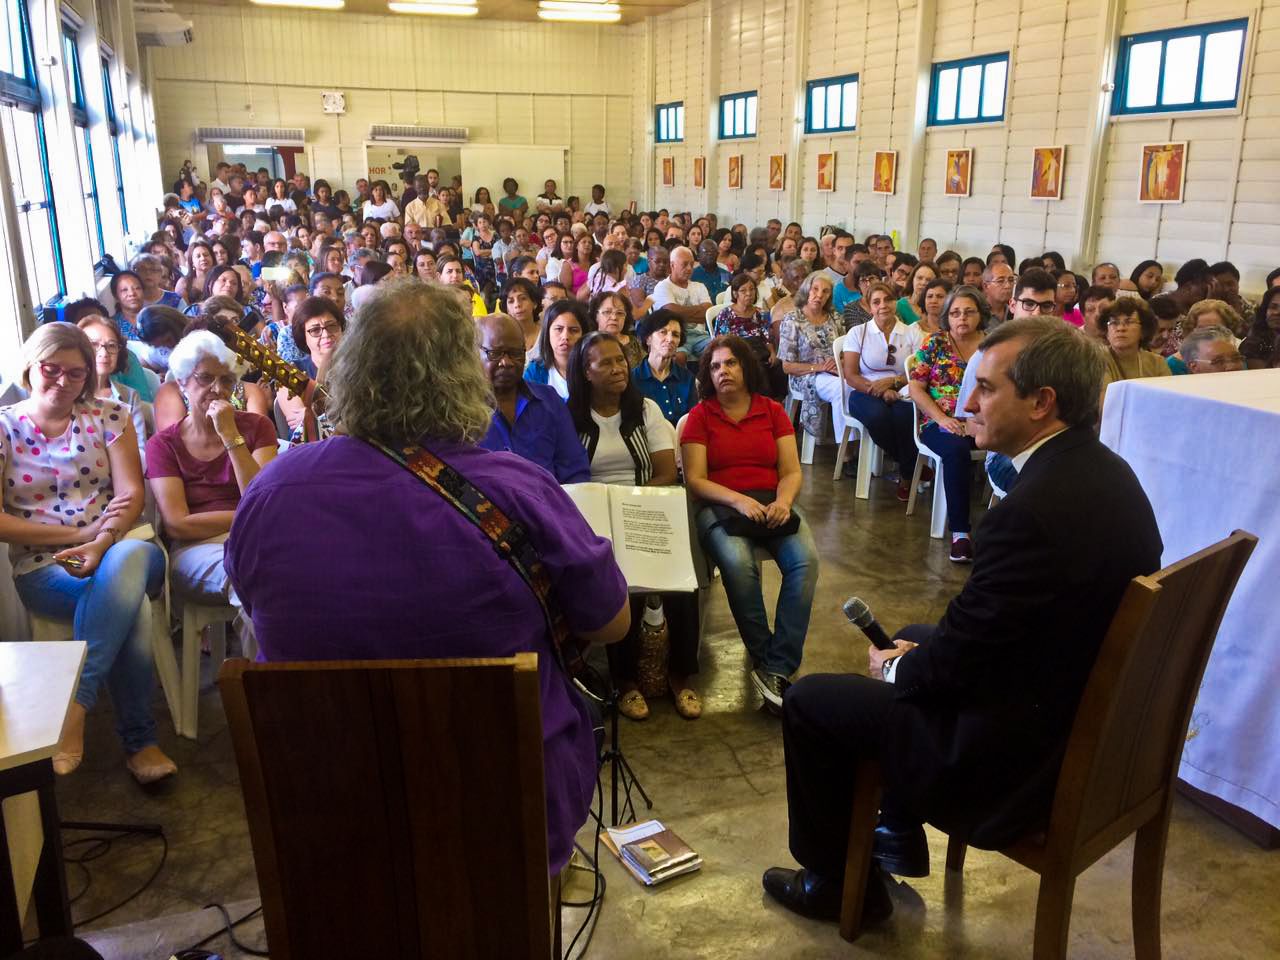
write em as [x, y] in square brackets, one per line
[829, 723]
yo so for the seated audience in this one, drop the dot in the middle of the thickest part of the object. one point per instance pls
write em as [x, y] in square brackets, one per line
[742, 468]
[127, 291]
[910, 305]
[1208, 350]
[318, 324]
[1261, 348]
[1129, 325]
[522, 302]
[611, 313]
[628, 442]
[688, 298]
[1092, 302]
[874, 367]
[200, 467]
[935, 385]
[409, 375]
[564, 323]
[1148, 278]
[660, 376]
[968, 732]
[805, 346]
[935, 295]
[65, 440]
[743, 317]
[110, 357]
[529, 419]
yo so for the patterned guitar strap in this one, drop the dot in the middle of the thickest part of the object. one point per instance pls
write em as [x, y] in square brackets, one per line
[509, 538]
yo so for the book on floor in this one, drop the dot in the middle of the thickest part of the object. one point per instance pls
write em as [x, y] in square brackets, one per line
[650, 852]
[649, 530]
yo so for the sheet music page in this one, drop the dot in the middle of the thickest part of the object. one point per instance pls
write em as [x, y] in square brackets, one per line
[592, 501]
[651, 537]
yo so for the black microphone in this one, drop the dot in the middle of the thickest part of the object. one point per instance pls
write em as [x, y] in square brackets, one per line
[860, 616]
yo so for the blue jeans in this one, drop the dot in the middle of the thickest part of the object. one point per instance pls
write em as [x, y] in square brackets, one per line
[110, 612]
[696, 338]
[778, 650]
[956, 470]
[890, 427]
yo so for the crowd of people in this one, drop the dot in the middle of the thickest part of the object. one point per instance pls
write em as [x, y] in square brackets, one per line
[623, 347]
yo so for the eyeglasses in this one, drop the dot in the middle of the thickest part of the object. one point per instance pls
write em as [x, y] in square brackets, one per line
[207, 380]
[53, 371]
[1221, 363]
[1122, 321]
[1003, 281]
[104, 345]
[963, 313]
[497, 355]
[331, 328]
[1036, 306]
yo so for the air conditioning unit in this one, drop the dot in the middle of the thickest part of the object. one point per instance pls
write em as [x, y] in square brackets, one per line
[253, 136]
[404, 132]
[162, 28]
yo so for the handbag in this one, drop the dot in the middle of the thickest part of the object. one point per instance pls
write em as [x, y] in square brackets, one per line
[736, 525]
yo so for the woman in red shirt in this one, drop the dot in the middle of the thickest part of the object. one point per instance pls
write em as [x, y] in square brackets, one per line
[740, 463]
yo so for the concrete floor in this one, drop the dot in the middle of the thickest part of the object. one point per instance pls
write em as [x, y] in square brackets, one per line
[719, 783]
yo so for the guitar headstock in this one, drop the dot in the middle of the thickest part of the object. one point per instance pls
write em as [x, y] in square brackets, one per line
[265, 360]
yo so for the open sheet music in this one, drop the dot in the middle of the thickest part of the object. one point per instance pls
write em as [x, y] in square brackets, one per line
[649, 529]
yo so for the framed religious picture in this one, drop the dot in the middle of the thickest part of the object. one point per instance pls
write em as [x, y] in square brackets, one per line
[1163, 173]
[699, 172]
[959, 182]
[1046, 173]
[826, 172]
[735, 172]
[884, 176]
[777, 171]
[668, 171]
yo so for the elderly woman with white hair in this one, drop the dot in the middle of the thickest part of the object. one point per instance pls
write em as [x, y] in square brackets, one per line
[200, 466]
[805, 338]
[72, 487]
[404, 535]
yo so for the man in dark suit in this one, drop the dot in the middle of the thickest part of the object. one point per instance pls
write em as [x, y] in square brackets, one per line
[972, 723]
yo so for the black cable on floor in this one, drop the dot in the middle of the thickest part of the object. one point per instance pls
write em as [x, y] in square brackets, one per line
[594, 905]
[99, 846]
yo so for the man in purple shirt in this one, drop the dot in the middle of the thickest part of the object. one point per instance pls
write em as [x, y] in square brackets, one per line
[404, 574]
[530, 420]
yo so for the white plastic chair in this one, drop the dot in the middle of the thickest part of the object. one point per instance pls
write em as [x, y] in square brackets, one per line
[807, 442]
[938, 521]
[760, 553]
[870, 456]
[195, 617]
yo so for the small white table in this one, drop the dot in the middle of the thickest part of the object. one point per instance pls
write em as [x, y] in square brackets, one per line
[37, 682]
[1206, 449]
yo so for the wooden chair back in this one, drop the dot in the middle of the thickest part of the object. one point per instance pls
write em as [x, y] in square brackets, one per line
[1122, 758]
[396, 808]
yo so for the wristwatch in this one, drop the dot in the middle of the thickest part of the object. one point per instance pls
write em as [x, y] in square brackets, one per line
[237, 442]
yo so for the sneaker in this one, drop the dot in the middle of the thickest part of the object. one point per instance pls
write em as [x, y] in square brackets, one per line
[962, 550]
[904, 491]
[772, 687]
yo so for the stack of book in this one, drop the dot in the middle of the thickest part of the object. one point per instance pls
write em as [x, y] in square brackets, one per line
[651, 852]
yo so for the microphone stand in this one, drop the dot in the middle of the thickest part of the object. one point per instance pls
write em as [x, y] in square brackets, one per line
[621, 773]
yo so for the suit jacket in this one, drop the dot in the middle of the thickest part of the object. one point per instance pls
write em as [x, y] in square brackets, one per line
[985, 706]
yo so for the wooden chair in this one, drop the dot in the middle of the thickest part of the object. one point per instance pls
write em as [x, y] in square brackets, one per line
[396, 807]
[1120, 769]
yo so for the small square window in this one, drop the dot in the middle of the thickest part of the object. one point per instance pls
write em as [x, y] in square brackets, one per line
[738, 115]
[969, 91]
[1187, 68]
[832, 105]
[668, 125]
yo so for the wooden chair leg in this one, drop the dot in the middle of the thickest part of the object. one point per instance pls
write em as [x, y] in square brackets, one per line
[1148, 876]
[862, 826]
[1053, 916]
[956, 849]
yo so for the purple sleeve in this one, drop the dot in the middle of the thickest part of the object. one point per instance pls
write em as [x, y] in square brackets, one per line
[585, 578]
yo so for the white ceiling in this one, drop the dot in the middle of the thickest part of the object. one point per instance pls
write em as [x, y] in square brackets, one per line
[489, 9]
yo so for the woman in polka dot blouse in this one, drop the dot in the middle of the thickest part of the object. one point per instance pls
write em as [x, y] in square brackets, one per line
[72, 487]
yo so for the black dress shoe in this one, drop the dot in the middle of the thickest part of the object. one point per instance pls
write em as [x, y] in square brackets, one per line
[815, 897]
[904, 853]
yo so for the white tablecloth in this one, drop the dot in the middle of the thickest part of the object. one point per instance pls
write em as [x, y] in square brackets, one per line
[1207, 451]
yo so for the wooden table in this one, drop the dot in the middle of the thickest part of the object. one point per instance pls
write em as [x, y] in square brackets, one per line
[37, 682]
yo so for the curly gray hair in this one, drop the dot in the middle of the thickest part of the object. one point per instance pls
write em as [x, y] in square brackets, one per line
[200, 345]
[409, 367]
[802, 294]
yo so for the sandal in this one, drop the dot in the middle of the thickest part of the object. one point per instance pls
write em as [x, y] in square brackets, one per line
[688, 703]
[632, 706]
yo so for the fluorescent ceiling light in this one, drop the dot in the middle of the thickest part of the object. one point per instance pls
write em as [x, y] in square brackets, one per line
[580, 6]
[309, 4]
[443, 9]
[583, 15]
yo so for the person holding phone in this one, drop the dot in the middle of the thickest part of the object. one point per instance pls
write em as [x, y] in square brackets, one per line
[72, 488]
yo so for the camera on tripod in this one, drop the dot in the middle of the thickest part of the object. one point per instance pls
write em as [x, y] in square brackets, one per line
[409, 168]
